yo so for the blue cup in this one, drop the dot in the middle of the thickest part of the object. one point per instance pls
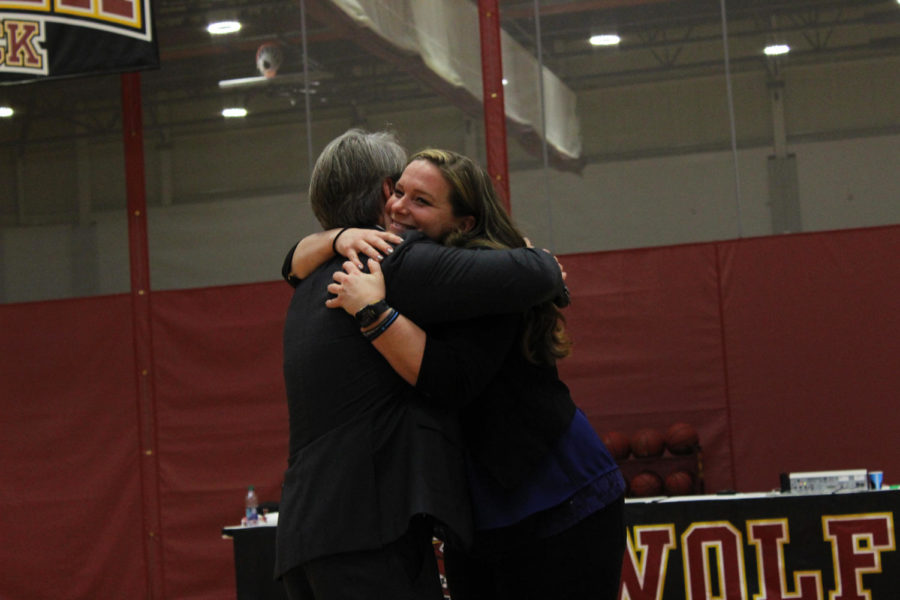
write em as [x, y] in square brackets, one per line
[876, 479]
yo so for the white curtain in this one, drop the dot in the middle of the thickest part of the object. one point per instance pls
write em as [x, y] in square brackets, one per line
[444, 34]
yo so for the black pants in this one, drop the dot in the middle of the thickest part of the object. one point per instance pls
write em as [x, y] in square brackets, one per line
[403, 570]
[583, 562]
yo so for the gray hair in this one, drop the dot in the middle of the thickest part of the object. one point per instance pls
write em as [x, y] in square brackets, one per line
[345, 189]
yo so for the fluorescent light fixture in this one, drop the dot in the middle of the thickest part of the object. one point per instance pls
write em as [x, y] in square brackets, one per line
[231, 113]
[242, 81]
[286, 79]
[223, 27]
[776, 49]
[605, 39]
[6, 111]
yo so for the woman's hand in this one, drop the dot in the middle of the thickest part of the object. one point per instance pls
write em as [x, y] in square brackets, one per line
[562, 269]
[355, 289]
[372, 243]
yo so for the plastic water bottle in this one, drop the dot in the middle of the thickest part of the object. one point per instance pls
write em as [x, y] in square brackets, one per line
[251, 504]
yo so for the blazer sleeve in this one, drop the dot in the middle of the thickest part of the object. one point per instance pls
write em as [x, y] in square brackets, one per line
[286, 266]
[462, 359]
[431, 283]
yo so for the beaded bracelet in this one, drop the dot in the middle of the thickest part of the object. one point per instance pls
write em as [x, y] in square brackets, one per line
[373, 334]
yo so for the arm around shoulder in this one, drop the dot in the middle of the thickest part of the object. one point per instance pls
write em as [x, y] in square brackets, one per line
[433, 283]
[352, 242]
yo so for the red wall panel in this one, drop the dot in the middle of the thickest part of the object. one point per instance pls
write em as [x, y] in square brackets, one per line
[70, 499]
[812, 332]
[782, 349]
[222, 423]
[646, 328]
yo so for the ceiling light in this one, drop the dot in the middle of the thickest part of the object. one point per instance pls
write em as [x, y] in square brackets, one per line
[606, 39]
[776, 49]
[223, 27]
[6, 111]
[231, 113]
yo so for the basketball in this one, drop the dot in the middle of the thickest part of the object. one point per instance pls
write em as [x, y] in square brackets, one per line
[646, 483]
[617, 443]
[679, 483]
[647, 442]
[681, 438]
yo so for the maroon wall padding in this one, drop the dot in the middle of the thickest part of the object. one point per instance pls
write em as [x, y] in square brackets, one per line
[70, 486]
[812, 335]
[782, 351]
[222, 423]
[646, 328]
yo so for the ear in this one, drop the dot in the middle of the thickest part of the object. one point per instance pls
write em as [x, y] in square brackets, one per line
[387, 188]
[466, 223]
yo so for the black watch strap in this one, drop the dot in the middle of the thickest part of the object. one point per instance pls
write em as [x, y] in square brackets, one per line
[367, 315]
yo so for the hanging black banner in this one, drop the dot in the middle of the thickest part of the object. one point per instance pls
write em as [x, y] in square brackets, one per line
[40, 39]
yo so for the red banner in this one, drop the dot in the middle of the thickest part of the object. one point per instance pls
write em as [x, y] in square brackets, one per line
[40, 39]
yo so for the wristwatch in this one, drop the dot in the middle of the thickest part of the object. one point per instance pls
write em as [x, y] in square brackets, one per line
[369, 314]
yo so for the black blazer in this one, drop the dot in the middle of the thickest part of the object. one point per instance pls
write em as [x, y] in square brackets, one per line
[366, 451]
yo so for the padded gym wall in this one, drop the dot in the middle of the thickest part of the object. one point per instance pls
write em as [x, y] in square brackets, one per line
[781, 350]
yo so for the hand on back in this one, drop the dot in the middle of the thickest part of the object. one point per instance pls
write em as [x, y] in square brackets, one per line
[354, 289]
[372, 243]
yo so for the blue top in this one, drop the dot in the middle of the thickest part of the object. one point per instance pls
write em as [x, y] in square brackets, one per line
[578, 468]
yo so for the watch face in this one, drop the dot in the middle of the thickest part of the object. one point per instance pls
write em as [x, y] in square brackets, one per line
[368, 314]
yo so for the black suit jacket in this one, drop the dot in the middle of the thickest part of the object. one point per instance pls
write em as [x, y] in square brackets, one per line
[367, 452]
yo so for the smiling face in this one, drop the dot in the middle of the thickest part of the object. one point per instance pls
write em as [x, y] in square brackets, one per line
[421, 201]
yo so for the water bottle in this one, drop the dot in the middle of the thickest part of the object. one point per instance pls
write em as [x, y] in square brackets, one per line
[251, 504]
